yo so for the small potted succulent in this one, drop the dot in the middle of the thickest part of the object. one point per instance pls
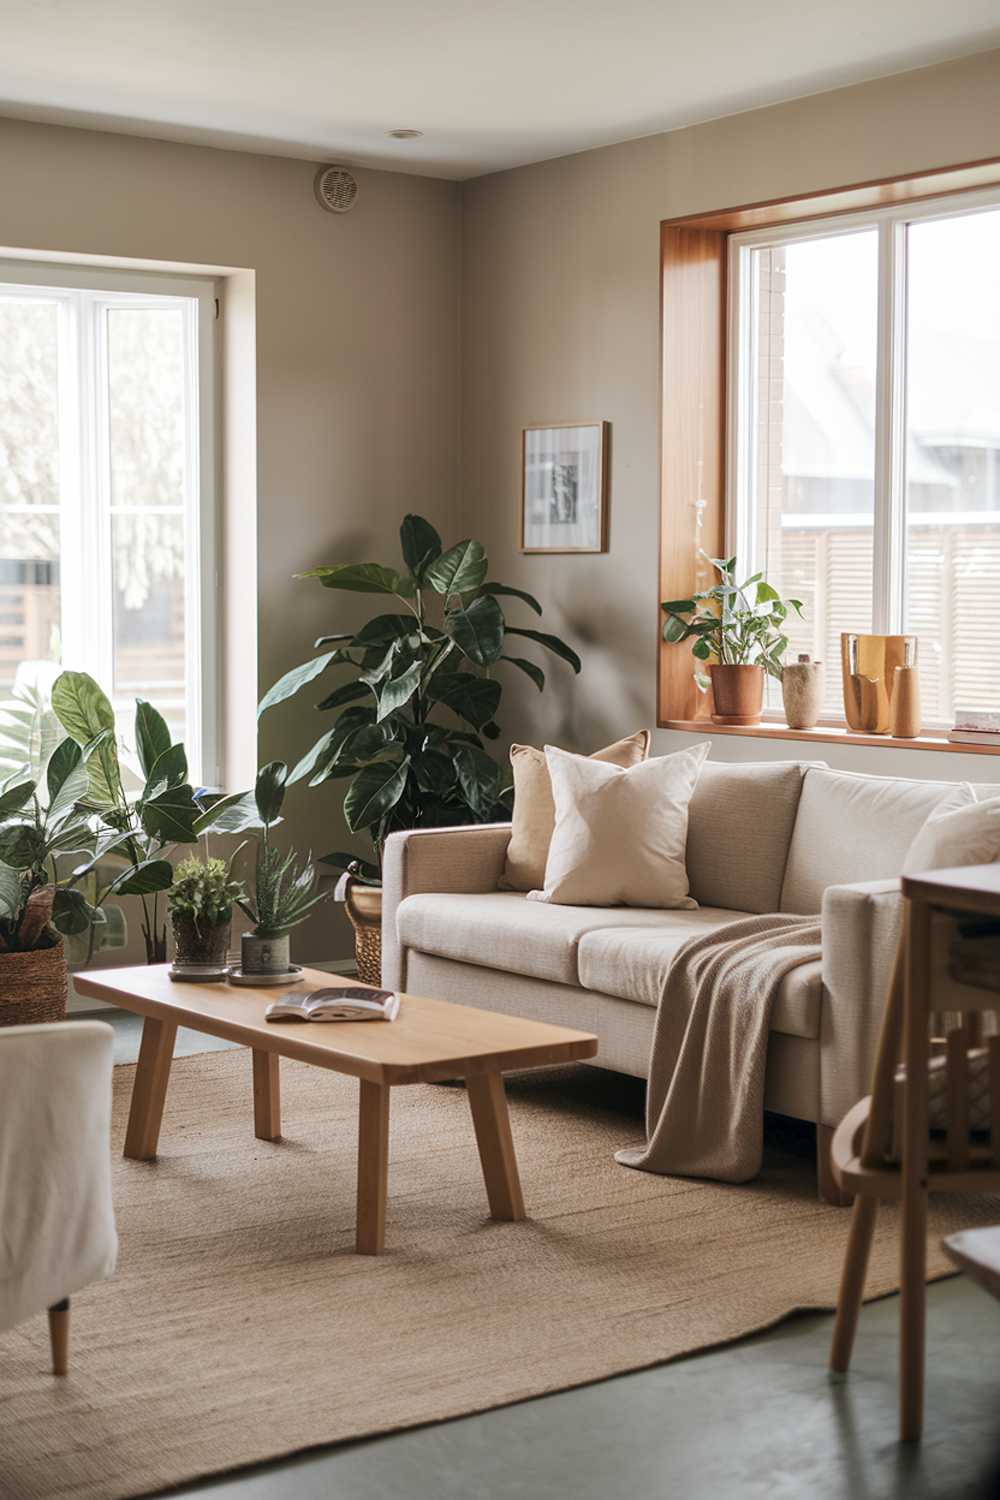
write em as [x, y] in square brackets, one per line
[201, 902]
[737, 632]
[284, 885]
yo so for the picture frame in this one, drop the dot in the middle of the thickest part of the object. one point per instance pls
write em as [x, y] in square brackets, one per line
[564, 487]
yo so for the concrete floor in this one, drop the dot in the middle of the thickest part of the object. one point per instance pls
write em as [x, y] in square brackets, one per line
[753, 1420]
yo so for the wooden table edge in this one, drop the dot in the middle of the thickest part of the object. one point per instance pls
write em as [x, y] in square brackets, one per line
[574, 1049]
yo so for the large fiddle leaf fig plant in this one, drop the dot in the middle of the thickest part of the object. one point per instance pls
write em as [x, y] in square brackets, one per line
[418, 695]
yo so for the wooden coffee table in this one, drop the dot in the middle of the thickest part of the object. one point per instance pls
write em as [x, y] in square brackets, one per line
[430, 1041]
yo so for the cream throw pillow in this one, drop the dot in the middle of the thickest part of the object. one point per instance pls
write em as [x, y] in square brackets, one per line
[620, 835]
[535, 813]
[955, 835]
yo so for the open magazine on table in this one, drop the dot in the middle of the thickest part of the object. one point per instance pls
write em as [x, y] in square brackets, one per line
[336, 1003]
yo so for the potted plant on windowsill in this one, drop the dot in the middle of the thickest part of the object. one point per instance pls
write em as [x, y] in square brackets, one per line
[284, 885]
[737, 632]
[417, 706]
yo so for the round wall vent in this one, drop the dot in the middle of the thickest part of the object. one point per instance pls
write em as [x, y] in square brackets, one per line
[336, 189]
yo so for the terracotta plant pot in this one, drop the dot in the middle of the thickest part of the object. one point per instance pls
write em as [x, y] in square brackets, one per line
[364, 907]
[33, 986]
[738, 694]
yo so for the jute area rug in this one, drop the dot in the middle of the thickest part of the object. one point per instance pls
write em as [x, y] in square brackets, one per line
[240, 1326]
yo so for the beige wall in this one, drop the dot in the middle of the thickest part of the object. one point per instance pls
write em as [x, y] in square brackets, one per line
[560, 322]
[357, 367]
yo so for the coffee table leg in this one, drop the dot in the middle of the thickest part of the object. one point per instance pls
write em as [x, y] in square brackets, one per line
[373, 1167]
[266, 1096]
[496, 1145]
[156, 1053]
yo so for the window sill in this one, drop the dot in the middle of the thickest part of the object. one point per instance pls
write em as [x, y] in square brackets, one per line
[830, 733]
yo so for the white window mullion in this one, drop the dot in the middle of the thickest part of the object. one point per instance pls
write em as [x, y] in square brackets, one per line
[72, 427]
[890, 433]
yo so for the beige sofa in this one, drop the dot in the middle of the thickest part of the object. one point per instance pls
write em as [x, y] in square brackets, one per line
[777, 836]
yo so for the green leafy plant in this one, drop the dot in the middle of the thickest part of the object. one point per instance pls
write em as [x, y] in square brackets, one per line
[419, 697]
[40, 822]
[138, 828]
[204, 891]
[284, 885]
[734, 624]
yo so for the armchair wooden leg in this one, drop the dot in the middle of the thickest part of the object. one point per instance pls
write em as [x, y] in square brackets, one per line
[59, 1336]
[829, 1189]
[852, 1283]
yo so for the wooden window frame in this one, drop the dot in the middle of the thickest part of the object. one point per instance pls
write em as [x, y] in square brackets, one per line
[694, 253]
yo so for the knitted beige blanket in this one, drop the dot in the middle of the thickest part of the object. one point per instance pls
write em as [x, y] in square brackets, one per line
[705, 1101]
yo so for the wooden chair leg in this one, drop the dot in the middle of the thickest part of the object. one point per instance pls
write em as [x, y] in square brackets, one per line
[852, 1283]
[59, 1336]
[829, 1189]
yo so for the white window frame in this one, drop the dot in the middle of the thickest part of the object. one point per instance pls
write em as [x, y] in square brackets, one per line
[83, 295]
[890, 530]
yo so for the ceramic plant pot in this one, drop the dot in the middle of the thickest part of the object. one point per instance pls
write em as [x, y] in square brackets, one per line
[802, 687]
[201, 943]
[738, 694]
[265, 955]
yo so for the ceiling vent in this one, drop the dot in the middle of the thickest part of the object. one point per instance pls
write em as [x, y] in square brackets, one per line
[336, 189]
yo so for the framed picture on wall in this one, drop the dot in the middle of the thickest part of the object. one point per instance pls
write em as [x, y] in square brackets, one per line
[564, 483]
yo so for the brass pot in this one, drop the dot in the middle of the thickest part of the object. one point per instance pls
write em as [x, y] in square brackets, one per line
[364, 908]
[737, 693]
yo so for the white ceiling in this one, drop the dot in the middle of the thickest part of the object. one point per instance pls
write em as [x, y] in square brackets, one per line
[491, 83]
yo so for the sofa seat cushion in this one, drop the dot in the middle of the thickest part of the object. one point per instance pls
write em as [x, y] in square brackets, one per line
[634, 966]
[504, 930]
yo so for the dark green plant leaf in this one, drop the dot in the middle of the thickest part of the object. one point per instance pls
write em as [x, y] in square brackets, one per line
[434, 771]
[348, 692]
[269, 791]
[22, 846]
[475, 699]
[702, 650]
[169, 770]
[535, 673]
[492, 731]
[420, 544]
[678, 606]
[362, 578]
[382, 630]
[478, 630]
[551, 643]
[332, 640]
[373, 792]
[505, 589]
[143, 879]
[171, 815]
[233, 814]
[72, 913]
[479, 777]
[361, 869]
[16, 797]
[66, 779]
[152, 736]
[289, 685]
[459, 570]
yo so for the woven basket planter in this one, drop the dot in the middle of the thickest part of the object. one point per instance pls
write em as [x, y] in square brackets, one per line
[364, 907]
[33, 986]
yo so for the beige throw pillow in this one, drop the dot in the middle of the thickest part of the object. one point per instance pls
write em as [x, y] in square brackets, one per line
[534, 811]
[620, 834]
[955, 835]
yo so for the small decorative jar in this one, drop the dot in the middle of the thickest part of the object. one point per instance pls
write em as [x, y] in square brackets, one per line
[802, 692]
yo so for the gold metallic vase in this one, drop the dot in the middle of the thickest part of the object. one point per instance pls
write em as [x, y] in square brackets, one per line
[869, 665]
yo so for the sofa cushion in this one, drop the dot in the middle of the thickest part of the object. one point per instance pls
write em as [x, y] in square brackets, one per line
[504, 930]
[851, 827]
[740, 825]
[634, 966]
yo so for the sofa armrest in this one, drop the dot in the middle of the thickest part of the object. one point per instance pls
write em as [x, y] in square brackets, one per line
[55, 1163]
[861, 925]
[469, 858]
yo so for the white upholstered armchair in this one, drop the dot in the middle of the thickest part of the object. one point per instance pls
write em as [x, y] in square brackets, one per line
[57, 1227]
